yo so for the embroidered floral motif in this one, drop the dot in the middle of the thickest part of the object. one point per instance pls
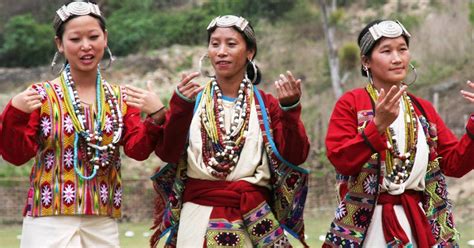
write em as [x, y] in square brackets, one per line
[45, 125]
[370, 184]
[341, 211]
[227, 239]
[441, 190]
[104, 193]
[292, 180]
[49, 160]
[69, 193]
[68, 158]
[262, 228]
[68, 126]
[109, 128]
[118, 196]
[435, 228]
[449, 220]
[58, 91]
[42, 92]
[362, 217]
[46, 195]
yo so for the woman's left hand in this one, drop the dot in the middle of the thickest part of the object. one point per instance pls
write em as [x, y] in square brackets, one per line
[467, 94]
[146, 100]
[288, 89]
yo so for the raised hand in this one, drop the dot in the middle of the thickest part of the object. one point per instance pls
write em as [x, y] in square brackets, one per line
[467, 94]
[288, 89]
[146, 100]
[187, 87]
[388, 107]
[27, 101]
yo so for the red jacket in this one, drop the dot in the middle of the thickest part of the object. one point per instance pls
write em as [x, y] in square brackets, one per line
[348, 150]
[287, 128]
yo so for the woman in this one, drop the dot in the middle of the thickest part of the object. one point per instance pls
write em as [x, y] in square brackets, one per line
[393, 151]
[73, 126]
[226, 178]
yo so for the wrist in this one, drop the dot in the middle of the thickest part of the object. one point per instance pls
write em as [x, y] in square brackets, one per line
[157, 111]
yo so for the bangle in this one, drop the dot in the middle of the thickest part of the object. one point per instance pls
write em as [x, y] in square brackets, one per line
[286, 108]
[152, 114]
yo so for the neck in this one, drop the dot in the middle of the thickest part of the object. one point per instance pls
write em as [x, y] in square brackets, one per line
[84, 79]
[385, 85]
[229, 86]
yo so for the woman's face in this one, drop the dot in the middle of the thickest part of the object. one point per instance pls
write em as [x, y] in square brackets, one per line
[389, 61]
[83, 43]
[228, 53]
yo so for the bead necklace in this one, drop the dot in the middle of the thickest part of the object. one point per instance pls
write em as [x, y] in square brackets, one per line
[399, 164]
[98, 153]
[221, 149]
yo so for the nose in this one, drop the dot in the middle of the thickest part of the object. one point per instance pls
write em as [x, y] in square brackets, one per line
[86, 45]
[397, 58]
[222, 51]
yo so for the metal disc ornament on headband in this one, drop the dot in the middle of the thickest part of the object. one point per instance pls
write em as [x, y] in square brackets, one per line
[389, 29]
[229, 21]
[78, 9]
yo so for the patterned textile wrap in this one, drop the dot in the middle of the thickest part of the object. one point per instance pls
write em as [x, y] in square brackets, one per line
[55, 189]
[239, 208]
[288, 194]
[354, 213]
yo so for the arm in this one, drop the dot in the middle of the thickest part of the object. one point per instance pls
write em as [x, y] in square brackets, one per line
[347, 149]
[18, 138]
[174, 131]
[289, 132]
[456, 156]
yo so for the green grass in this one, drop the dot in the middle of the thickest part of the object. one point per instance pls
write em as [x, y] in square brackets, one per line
[315, 227]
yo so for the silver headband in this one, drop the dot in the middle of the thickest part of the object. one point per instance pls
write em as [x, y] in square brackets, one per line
[229, 21]
[389, 29]
[78, 9]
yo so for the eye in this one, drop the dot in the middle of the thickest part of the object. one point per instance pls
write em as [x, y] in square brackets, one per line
[94, 37]
[74, 39]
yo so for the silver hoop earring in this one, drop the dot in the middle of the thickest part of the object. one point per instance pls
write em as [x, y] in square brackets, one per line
[57, 54]
[201, 70]
[414, 72]
[367, 72]
[111, 58]
[255, 71]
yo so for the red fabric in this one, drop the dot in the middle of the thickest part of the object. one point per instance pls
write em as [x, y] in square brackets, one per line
[288, 130]
[20, 141]
[231, 200]
[348, 151]
[391, 227]
[1, 125]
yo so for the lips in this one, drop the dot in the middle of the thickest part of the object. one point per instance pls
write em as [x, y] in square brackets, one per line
[87, 59]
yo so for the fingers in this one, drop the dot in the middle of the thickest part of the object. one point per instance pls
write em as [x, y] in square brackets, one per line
[186, 78]
[467, 94]
[149, 85]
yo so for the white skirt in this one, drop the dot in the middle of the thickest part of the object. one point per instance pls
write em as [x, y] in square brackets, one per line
[69, 231]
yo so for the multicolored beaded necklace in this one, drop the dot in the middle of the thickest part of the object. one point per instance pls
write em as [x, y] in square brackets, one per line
[221, 149]
[398, 164]
[92, 146]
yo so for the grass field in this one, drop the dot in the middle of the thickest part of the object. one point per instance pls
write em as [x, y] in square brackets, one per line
[316, 226]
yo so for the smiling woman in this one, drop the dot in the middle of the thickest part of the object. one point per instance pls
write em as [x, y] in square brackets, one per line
[73, 126]
[234, 180]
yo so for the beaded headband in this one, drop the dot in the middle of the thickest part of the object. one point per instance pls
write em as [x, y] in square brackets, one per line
[228, 21]
[77, 9]
[389, 29]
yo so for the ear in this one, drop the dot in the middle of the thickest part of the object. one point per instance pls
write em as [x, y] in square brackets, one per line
[250, 54]
[106, 35]
[365, 61]
[59, 44]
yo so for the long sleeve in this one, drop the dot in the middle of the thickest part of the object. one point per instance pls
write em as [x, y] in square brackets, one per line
[347, 149]
[139, 137]
[456, 155]
[19, 136]
[289, 132]
[174, 131]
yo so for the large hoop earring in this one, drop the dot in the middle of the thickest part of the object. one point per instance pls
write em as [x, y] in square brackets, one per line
[111, 58]
[255, 71]
[414, 72]
[204, 72]
[57, 54]
[367, 72]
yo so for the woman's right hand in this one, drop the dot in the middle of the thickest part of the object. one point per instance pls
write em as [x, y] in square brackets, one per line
[187, 87]
[27, 101]
[387, 107]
